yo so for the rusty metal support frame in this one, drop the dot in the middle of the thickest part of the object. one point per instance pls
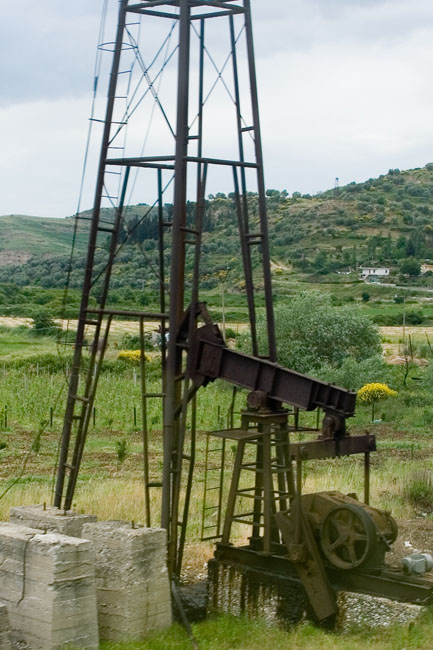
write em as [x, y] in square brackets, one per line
[74, 378]
[179, 386]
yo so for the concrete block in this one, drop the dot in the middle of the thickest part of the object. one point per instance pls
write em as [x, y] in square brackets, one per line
[47, 582]
[133, 590]
[50, 518]
[5, 643]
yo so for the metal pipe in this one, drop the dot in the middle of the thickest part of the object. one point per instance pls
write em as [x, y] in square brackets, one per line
[177, 274]
[266, 260]
[145, 433]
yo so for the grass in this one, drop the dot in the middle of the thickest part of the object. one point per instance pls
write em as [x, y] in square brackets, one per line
[230, 633]
[111, 487]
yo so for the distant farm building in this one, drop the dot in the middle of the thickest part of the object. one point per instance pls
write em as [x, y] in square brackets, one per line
[374, 272]
[426, 267]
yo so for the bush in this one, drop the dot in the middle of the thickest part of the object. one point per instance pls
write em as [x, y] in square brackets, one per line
[43, 323]
[132, 357]
[353, 374]
[312, 333]
[414, 317]
[132, 342]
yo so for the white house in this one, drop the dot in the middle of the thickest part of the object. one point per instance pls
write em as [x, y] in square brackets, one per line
[376, 271]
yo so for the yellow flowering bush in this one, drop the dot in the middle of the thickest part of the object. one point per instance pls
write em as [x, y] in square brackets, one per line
[374, 392]
[132, 356]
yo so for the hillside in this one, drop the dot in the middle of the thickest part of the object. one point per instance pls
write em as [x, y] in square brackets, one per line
[383, 220]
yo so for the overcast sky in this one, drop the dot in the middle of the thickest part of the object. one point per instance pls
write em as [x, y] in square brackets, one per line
[345, 89]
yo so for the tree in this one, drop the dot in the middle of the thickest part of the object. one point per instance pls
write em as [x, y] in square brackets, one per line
[410, 267]
[373, 393]
[311, 333]
[43, 323]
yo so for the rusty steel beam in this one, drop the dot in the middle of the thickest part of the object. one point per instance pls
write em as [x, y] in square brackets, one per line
[210, 359]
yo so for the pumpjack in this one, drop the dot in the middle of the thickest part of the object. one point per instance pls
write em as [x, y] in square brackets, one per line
[328, 539]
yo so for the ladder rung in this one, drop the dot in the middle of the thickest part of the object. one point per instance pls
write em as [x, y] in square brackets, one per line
[247, 128]
[211, 508]
[184, 346]
[76, 417]
[190, 241]
[253, 235]
[186, 457]
[148, 395]
[256, 497]
[154, 484]
[91, 322]
[253, 242]
[80, 398]
[217, 487]
[102, 229]
[211, 526]
[193, 231]
[193, 137]
[167, 223]
[180, 377]
[95, 119]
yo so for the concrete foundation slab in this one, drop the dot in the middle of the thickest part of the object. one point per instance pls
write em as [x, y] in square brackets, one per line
[49, 518]
[47, 582]
[5, 630]
[133, 590]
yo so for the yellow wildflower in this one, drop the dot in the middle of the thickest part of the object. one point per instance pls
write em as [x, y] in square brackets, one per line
[132, 356]
[374, 392]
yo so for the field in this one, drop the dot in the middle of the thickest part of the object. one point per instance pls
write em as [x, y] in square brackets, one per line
[32, 394]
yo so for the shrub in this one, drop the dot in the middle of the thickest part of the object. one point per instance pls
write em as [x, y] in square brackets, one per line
[312, 333]
[132, 356]
[132, 342]
[353, 374]
[43, 323]
[419, 489]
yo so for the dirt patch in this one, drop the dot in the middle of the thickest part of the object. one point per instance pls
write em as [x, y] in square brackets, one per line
[9, 258]
[414, 536]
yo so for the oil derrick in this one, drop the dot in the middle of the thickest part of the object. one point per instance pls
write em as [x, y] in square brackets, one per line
[328, 540]
[183, 166]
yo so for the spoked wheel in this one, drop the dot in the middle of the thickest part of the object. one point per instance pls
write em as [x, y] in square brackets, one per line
[348, 536]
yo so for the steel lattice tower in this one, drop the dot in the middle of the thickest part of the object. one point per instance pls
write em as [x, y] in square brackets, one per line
[188, 162]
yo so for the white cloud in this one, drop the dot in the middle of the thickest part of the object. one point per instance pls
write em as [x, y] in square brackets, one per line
[345, 90]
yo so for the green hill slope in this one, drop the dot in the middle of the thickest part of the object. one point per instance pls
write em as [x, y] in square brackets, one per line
[38, 236]
[380, 221]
